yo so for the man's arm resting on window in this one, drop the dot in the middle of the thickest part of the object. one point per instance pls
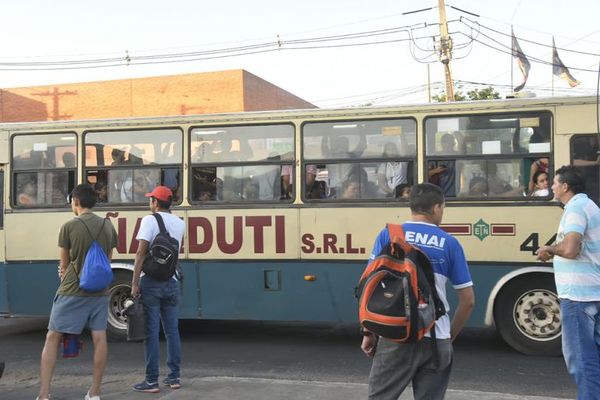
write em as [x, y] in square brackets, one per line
[466, 302]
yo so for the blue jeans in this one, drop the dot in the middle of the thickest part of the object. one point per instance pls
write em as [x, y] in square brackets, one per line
[581, 345]
[161, 300]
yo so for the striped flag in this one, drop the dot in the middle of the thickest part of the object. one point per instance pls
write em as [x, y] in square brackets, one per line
[522, 60]
[559, 69]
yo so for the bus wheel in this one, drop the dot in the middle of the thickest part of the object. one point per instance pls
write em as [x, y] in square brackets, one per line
[118, 292]
[527, 314]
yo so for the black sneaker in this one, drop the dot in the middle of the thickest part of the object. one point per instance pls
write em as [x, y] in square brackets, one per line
[173, 383]
[147, 387]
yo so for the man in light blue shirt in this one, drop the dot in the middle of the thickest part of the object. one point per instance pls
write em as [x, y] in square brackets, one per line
[576, 261]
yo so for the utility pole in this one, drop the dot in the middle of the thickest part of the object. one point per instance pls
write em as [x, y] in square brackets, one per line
[445, 51]
[428, 84]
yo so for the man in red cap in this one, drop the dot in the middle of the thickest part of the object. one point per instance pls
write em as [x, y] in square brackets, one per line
[160, 297]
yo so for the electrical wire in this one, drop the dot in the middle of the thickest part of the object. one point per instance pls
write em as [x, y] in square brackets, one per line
[527, 40]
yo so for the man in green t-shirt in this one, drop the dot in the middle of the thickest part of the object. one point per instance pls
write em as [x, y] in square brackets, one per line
[74, 309]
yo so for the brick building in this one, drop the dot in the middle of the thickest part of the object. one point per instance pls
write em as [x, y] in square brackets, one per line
[201, 93]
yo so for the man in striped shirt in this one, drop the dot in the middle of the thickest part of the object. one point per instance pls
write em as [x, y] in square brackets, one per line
[576, 261]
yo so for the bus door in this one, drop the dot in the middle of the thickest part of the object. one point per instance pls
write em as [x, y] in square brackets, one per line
[584, 154]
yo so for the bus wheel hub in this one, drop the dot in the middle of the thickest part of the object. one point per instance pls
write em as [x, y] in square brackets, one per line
[537, 315]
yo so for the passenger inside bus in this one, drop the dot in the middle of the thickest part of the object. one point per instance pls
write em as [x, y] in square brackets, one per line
[55, 192]
[403, 191]
[478, 188]
[540, 180]
[204, 184]
[118, 157]
[268, 179]
[228, 149]
[350, 189]
[68, 160]
[101, 191]
[318, 190]
[584, 150]
[311, 176]
[338, 147]
[443, 172]
[392, 173]
[205, 194]
[287, 179]
[26, 193]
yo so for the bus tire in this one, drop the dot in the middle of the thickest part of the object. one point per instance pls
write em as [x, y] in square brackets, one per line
[527, 315]
[118, 291]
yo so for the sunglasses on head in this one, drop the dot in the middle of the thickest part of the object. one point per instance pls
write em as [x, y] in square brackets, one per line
[70, 198]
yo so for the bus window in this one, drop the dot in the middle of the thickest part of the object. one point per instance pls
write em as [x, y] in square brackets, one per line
[242, 163]
[482, 156]
[352, 160]
[584, 154]
[125, 165]
[43, 169]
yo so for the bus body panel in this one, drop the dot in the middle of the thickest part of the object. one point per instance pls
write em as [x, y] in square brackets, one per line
[247, 291]
[294, 258]
[279, 290]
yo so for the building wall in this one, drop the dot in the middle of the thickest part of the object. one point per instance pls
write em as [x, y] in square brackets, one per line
[202, 93]
[261, 95]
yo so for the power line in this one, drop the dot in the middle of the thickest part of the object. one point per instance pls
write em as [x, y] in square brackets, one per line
[509, 52]
[257, 48]
[527, 40]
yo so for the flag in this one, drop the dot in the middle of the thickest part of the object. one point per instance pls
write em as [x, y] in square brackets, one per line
[559, 69]
[522, 60]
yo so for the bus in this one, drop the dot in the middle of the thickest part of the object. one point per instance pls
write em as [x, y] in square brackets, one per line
[282, 208]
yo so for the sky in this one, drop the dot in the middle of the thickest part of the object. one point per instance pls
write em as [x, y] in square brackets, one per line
[341, 74]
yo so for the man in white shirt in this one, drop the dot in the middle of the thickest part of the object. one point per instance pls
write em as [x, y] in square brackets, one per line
[160, 298]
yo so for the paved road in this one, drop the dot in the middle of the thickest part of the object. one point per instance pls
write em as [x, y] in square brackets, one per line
[227, 360]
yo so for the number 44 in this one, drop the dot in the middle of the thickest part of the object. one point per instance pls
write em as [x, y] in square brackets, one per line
[532, 242]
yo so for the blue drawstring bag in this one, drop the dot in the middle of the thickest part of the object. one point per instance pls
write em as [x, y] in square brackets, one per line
[96, 273]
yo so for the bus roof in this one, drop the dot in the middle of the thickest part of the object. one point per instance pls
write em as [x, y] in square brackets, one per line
[250, 116]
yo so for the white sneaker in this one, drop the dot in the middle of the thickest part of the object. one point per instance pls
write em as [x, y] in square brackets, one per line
[88, 397]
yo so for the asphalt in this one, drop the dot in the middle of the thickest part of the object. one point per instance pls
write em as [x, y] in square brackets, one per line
[209, 387]
[228, 388]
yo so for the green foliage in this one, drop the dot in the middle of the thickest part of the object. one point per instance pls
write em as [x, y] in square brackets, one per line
[487, 93]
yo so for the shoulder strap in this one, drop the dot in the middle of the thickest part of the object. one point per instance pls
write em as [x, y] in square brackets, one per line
[101, 229]
[161, 224]
[396, 232]
[88, 229]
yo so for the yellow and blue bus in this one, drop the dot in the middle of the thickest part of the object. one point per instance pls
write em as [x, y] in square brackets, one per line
[282, 207]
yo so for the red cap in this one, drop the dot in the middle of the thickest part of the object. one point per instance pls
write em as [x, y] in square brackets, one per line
[162, 193]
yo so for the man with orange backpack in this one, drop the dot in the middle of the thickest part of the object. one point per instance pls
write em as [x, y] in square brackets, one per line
[396, 363]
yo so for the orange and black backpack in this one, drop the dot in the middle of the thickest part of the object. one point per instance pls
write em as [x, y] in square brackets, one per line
[397, 298]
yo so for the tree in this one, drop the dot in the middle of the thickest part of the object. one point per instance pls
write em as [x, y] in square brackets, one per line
[441, 98]
[487, 93]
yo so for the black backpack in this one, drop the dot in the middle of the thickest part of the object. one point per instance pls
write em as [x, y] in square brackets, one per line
[161, 261]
